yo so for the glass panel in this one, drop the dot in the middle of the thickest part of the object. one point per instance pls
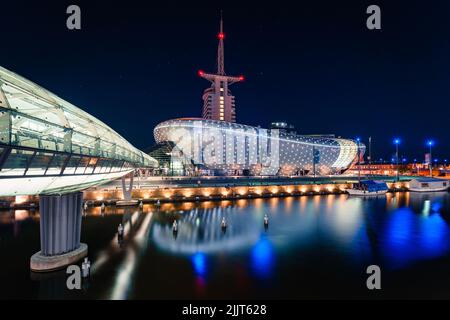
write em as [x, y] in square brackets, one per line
[72, 165]
[16, 163]
[117, 166]
[91, 165]
[1, 152]
[56, 164]
[100, 165]
[110, 165]
[86, 142]
[82, 166]
[39, 163]
[106, 165]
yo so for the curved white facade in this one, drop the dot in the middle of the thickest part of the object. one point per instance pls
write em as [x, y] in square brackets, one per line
[50, 146]
[32, 117]
[226, 146]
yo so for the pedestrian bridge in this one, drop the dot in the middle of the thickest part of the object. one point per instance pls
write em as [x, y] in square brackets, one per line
[50, 146]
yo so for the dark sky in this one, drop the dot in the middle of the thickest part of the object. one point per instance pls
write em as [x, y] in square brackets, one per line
[311, 63]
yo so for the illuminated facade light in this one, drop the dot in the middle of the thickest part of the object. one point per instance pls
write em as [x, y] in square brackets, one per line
[187, 193]
[226, 146]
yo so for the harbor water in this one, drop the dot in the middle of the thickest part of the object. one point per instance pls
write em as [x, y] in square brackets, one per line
[312, 247]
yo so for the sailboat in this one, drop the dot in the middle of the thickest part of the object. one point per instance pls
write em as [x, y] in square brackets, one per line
[367, 187]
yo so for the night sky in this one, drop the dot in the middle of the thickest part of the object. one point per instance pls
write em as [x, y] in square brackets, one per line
[312, 63]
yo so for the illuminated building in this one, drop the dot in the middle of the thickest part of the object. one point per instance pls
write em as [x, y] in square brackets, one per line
[170, 161]
[218, 144]
[218, 102]
[229, 148]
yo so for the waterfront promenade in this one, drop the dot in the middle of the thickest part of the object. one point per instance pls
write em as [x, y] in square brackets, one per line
[179, 189]
[208, 188]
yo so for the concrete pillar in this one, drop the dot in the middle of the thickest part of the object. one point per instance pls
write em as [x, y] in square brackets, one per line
[60, 220]
[127, 191]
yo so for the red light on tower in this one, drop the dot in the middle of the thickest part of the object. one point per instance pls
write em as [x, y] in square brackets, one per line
[241, 78]
[200, 73]
[221, 36]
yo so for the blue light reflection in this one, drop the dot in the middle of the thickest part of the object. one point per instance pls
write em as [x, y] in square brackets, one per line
[410, 238]
[262, 257]
[199, 263]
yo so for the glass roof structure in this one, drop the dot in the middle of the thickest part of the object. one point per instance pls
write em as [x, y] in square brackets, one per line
[31, 116]
[48, 145]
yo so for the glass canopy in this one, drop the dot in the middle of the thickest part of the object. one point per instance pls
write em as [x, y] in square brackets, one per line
[36, 119]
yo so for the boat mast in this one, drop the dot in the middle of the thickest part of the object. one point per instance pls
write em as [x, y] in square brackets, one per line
[370, 156]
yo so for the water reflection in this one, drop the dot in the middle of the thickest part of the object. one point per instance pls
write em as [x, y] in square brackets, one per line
[199, 230]
[199, 263]
[123, 280]
[262, 257]
[395, 231]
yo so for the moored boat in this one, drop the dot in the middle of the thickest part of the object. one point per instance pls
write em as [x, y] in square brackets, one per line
[428, 184]
[368, 188]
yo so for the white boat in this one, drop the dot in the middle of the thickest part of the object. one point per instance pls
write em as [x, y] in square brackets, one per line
[368, 188]
[428, 184]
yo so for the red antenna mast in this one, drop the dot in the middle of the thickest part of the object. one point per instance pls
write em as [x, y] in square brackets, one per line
[220, 50]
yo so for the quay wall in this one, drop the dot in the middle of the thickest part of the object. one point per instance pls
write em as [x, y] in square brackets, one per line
[182, 194]
[164, 194]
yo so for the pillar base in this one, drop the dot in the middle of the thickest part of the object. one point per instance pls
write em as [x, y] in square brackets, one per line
[41, 263]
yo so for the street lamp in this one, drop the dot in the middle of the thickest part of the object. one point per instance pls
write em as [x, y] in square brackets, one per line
[359, 163]
[430, 143]
[397, 142]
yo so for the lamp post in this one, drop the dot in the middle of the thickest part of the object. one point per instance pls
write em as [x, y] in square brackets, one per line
[359, 162]
[314, 164]
[430, 144]
[397, 142]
